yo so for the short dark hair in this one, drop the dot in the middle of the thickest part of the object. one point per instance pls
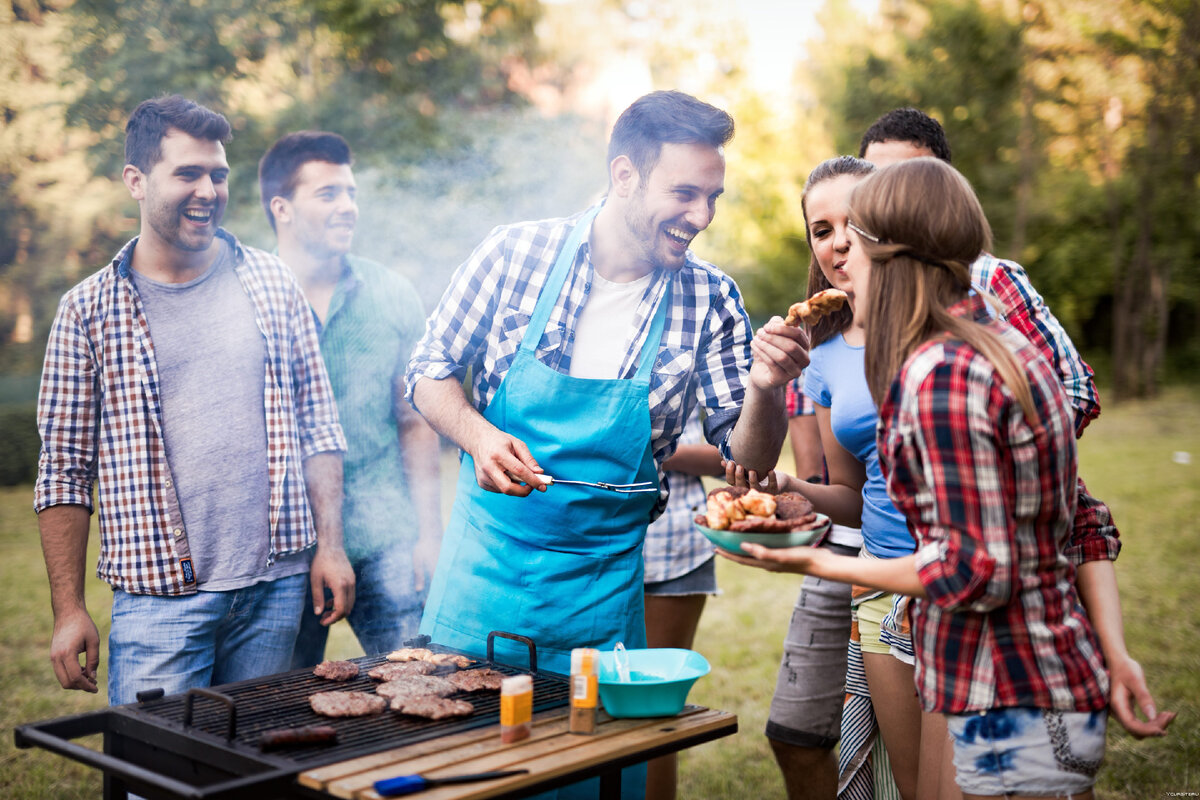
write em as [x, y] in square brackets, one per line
[279, 168]
[908, 125]
[149, 122]
[666, 117]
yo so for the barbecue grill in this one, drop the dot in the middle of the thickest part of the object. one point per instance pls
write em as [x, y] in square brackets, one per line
[204, 743]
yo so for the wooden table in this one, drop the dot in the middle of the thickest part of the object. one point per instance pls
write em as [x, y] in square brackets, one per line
[553, 756]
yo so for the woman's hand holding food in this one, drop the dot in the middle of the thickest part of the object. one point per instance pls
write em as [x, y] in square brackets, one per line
[804, 560]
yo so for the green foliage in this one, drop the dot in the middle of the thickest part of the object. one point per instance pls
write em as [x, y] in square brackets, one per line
[1079, 127]
[19, 445]
[963, 69]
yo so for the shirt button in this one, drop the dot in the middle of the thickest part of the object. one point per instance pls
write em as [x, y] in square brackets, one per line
[167, 483]
[178, 532]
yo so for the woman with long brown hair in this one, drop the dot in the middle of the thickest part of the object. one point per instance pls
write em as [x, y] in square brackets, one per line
[976, 442]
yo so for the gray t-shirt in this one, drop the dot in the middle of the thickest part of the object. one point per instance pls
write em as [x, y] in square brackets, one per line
[211, 361]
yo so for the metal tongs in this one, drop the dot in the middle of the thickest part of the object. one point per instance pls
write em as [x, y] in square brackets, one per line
[622, 488]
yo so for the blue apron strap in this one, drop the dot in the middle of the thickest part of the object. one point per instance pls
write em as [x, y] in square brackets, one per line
[554, 283]
[654, 335]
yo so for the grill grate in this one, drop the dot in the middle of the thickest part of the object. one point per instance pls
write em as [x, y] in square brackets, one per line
[281, 701]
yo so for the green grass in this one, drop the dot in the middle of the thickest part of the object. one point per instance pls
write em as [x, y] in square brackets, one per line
[1127, 459]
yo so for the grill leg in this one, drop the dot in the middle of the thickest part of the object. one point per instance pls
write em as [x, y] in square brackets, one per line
[610, 785]
[114, 788]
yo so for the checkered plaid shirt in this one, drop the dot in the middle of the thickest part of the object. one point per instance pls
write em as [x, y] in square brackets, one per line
[481, 319]
[991, 501]
[1024, 309]
[99, 416]
[1095, 536]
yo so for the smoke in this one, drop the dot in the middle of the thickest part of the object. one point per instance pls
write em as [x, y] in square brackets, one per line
[424, 219]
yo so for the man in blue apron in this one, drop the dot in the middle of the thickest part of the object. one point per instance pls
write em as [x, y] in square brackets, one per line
[589, 340]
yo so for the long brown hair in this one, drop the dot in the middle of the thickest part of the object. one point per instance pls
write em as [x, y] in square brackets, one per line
[831, 168]
[930, 227]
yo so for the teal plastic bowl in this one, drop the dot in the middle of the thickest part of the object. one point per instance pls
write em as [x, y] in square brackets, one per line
[732, 540]
[660, 679]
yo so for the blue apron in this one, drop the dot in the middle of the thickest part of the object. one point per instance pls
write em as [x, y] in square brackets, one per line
[563, 567]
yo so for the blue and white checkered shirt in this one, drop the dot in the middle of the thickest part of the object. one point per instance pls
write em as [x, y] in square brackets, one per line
[673, 546]
[704, 355]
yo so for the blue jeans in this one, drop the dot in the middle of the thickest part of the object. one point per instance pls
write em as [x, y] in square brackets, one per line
[387, 611]
[203, 639]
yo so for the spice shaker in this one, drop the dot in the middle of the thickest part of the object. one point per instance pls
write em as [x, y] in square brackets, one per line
[516, 708]
[584, 690]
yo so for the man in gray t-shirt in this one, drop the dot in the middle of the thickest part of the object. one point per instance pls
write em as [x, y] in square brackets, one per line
[184, 382]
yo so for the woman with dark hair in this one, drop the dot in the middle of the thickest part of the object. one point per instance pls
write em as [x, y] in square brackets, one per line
[976, 440]
[807, 708]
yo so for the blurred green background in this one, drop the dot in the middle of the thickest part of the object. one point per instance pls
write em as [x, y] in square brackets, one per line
[1076, 121]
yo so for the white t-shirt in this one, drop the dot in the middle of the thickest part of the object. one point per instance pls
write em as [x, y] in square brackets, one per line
[604, 327]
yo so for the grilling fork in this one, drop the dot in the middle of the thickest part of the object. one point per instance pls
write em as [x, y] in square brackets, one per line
[643, 487]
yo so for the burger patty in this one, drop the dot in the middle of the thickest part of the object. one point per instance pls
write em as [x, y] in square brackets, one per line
[790, 505]
[432, 707]
[473, 680]
[347, 704]
[391, 671]
[336, 670]
[415, 685]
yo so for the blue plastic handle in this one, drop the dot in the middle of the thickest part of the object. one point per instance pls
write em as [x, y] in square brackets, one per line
[401, 784]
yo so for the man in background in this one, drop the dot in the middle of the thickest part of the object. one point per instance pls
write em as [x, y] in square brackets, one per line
[184, 382]
[368, 319]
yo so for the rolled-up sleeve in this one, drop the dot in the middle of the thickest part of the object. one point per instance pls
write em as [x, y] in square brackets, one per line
[67, 415]
[1094, 536]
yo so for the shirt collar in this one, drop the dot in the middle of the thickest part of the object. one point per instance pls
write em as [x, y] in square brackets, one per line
[123, 263]
[971, 307]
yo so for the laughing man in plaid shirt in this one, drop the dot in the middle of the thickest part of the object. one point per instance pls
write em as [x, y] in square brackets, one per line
[184, 382]
[589, 340]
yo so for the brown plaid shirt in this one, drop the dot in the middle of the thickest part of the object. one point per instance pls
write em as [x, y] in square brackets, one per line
[99, 416]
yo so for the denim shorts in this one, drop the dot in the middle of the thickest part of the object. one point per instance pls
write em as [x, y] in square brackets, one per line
[175, 643]
[1030, 751]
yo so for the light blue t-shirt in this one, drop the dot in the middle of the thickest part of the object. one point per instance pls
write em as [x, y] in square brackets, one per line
[836, 379]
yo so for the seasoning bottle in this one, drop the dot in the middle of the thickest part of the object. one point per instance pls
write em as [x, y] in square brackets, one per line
[584, 690]
[516, 708]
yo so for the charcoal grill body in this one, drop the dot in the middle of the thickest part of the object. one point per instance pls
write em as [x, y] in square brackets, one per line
[204, 744]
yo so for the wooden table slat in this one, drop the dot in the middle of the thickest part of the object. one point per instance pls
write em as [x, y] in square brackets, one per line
[321, 777]
[550, 753]
[484, 756]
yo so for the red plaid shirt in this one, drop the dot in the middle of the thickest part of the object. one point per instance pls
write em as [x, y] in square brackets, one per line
[991, 501]
[100, 420]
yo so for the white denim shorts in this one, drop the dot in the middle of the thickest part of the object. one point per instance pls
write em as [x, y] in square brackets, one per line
[1031, 751]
